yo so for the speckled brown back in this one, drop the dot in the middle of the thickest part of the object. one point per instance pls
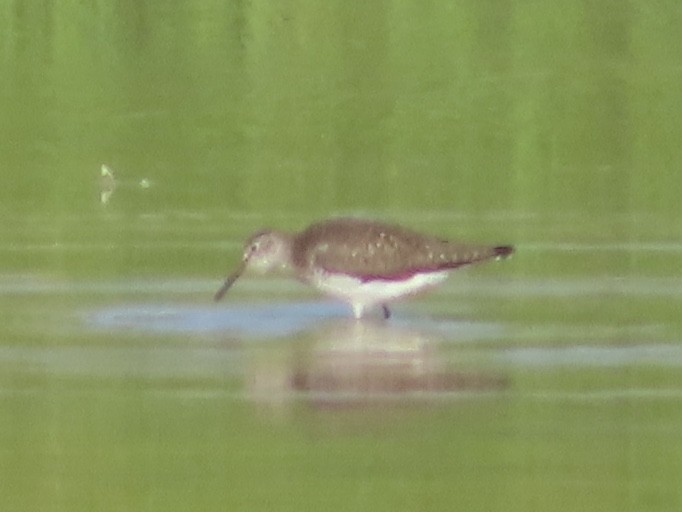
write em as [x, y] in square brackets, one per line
[374, 250]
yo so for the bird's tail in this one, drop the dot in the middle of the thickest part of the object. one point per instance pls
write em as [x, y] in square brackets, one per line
[502, 251]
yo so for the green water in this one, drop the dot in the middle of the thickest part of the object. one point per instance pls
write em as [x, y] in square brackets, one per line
[547, 382]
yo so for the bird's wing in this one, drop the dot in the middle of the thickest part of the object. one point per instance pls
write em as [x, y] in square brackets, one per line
[373, 250]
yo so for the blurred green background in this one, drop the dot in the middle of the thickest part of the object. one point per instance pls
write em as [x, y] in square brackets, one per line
[554, 126]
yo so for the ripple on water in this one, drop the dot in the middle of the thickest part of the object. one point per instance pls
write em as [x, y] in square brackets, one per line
[263, 321]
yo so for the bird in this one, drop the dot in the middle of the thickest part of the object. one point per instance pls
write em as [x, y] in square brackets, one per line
[365, 263]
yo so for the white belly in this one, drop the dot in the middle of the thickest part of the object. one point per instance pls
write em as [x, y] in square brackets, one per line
[364, 294]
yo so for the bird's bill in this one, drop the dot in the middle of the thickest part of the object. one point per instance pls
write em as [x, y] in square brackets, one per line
[229, 281]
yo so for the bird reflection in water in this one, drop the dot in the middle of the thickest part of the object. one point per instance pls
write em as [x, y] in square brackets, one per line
[353, 364]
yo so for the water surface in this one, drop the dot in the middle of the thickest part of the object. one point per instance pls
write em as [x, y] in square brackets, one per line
[550, 381]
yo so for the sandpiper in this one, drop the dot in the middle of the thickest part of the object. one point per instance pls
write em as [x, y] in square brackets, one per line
[362, 262]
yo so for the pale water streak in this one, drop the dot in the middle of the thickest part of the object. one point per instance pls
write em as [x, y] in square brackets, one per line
[582, 356]
[263, 321]
[459, 284]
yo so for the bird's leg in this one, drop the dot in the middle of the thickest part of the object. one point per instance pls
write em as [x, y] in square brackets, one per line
[387, 312]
